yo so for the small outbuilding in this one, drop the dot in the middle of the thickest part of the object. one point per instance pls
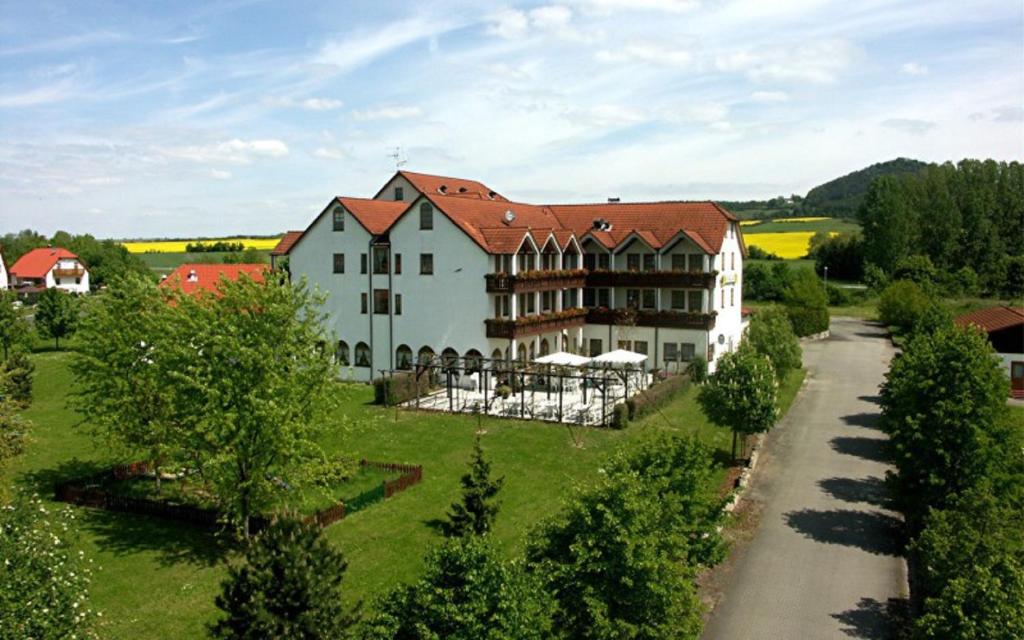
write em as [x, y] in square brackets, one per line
[1005, 328]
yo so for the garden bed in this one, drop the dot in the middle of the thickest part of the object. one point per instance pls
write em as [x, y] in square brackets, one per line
[132, 488]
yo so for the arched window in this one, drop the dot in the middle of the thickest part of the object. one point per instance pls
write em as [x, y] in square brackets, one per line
[426, 216]
[449, 358]
[522, 353]
[474, 360]
[425, 355]
[544, 348]
[403, 357]
[362, 354]
[533, 351]
[341, 353]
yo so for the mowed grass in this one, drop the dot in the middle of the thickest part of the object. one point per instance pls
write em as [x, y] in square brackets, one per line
[179, 246]
[158, 579]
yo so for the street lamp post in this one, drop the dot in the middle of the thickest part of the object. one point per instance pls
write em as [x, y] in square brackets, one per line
[826, 277]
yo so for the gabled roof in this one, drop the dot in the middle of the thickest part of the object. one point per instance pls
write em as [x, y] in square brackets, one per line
[662, 221]
[447, 186]
[38, 262]
[472, 216]
[192, 277]
[993, 318]
[284, 245]
[375, 215]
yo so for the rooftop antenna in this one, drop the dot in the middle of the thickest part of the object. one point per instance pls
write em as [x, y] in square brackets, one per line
[397, 156]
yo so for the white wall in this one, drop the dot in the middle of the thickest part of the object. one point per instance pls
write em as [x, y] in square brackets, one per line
[409, 192]
[4, 281]
[729, 322]
[66, 283]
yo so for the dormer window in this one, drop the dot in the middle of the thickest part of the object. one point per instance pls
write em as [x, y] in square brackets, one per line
[193, 276]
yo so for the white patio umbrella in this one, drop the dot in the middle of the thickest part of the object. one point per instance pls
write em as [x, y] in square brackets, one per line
[619, 357]
[563, 359]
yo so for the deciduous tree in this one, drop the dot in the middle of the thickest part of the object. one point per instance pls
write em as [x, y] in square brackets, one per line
[14, 330]
[468, 592]
[56, 315]
[742, 395]
[771, 335]
[806, 303]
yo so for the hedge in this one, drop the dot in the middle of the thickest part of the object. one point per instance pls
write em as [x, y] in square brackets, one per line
[400, 387]
[657, 396]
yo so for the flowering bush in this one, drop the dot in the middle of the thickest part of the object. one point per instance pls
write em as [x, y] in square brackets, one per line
[44, 584]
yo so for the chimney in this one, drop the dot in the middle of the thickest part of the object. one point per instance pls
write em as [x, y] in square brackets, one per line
[614, 200]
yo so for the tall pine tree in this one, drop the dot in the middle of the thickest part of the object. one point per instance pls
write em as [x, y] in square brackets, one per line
[475, 514]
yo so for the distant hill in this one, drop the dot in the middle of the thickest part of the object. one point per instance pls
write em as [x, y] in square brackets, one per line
[841, 197]
[838, 198]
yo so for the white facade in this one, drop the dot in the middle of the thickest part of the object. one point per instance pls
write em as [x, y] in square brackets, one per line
[389, 312]
[4, 282]
[68, 275]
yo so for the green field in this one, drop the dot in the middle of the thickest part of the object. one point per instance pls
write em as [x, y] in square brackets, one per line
[158, 579]
[167, 262]
[836, 225]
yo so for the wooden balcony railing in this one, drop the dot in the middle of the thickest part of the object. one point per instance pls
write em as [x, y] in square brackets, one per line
[649, 318]
[543, 280]
[652, 279]
[532, 325]
[72, 272]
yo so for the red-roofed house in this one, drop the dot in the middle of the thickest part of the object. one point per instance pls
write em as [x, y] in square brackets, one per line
[284, 245]
[192, 278]
[440, 265]
[48, 268]
[1005, 329]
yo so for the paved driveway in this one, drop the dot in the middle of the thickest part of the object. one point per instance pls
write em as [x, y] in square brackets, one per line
[824, 561]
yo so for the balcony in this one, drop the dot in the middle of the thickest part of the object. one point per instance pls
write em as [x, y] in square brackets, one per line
[529, 281]
[652, 279]
[650, 318]
[532, 325]
[71, 272]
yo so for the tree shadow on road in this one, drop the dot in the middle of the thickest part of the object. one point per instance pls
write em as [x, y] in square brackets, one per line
[868, 420]
[872, 531]
[870, 490]
[872, 399]
[867, 448]
[875, 620]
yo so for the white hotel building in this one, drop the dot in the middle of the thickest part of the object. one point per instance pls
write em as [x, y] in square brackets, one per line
[445, 266]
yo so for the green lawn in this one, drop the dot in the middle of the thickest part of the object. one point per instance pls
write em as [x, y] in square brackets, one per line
[166, 262]
[158, 579]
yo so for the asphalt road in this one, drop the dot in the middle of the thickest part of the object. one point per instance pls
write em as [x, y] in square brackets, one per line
[824, 561]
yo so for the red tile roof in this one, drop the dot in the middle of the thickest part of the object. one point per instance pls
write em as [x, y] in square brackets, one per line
[191, 277]
[993, 318]
[447, 186]
[375, 215]
[38, 262]
[284, 245]
[472, 216]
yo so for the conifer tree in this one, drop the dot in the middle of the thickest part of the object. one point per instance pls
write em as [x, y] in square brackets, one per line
[288, 587]
[476, 512]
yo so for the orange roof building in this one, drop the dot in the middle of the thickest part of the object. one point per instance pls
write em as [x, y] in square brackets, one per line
[1005, 328]
[434, 264]
[192, 278]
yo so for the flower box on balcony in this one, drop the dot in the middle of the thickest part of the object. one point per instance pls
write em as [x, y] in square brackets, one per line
[649, 318]
[532, 325]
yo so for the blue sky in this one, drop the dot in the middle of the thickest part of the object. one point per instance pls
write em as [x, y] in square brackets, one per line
[152, 119]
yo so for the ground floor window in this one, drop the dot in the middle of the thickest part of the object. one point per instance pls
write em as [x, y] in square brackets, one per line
[596, 348]
[403, 357]
[671, 351]
[640, 346]
[687, 350]
[341, 353]
[362, 355]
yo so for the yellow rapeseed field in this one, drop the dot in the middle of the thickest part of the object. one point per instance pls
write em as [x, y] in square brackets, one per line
[787, 245]
[749, 223]
[178, 246]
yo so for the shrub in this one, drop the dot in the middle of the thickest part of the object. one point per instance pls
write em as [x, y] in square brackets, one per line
[917, 269]
[17, 377]
[288, 587]
[875, 278]
[467, 591]
[901, 304]
[620, 416]
[837, 296]
[655, 397]
[755, 252]
[806, 303]
[399, 388]
[698, 369]
[764, 282]
[771, 335]
[843, 255]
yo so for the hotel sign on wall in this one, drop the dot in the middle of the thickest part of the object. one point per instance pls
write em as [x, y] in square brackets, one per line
[729, 279]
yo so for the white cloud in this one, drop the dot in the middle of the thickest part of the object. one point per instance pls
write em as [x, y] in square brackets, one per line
[608, 6]
[235, 151]
[613, 115]
[914, 69]
[815, 62]
[706, 112]
[387, 113]
[220, 174]
[555, 19]
[769, 96]
[353, 52]
[330, 153]
[509, 24]
[647, 53]
[909, 125]
[322, 104]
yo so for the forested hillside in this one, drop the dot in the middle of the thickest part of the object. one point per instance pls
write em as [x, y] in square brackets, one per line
[843, 196]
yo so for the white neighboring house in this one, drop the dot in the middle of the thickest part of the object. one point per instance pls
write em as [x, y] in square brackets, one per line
[433, 265]
[48, 268]
[4, 282]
